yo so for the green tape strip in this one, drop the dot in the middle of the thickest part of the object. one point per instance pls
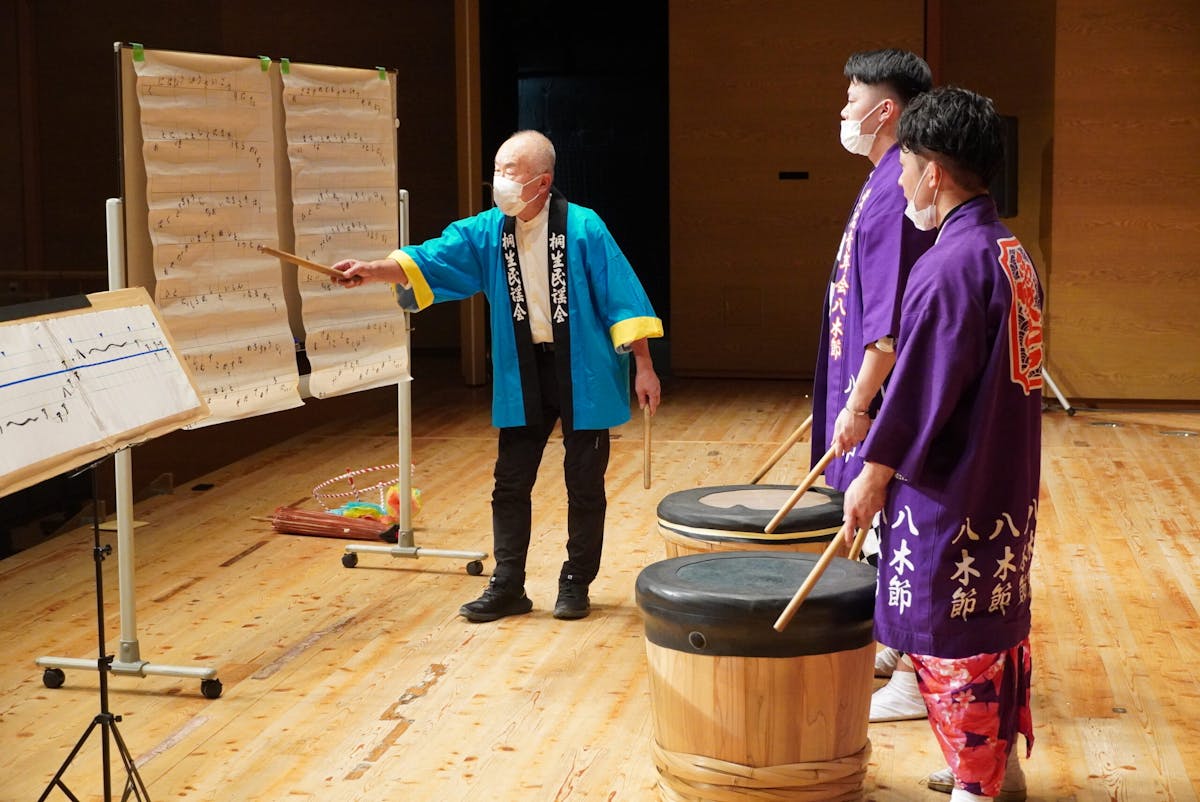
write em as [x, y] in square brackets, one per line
[265, 61]
[285, 66]
[382, 73]
[139, 52]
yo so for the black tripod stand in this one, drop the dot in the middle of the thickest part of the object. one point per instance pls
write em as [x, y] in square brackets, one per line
[104, 720]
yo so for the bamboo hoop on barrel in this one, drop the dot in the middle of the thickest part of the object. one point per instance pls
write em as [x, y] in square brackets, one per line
[791, 440]
[800, 491]
[811, 580]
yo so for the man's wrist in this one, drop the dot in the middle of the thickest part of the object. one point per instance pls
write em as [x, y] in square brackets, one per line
[855, 412]
[875, 473]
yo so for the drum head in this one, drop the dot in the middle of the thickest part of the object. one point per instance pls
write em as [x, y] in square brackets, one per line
[716, 513]
[727, 603]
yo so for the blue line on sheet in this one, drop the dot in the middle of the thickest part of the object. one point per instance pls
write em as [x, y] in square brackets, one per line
[82, 367]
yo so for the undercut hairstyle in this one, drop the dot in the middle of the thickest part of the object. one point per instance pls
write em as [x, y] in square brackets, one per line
[905, 74]
[541, 149]
[960, 130]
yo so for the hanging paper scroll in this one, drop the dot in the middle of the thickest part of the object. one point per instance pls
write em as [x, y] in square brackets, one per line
[341, 146]
[208, 148]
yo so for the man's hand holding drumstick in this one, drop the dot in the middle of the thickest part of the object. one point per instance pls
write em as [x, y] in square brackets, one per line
[863, 498]
[648, 391]
[356, 272]
[646, 386]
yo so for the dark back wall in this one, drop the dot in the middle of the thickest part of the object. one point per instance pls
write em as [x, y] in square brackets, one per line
[599, 91]
[60, 148]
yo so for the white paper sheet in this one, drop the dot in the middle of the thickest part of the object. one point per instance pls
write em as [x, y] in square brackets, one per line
[208, 147]
[85, 383]
[342, 150]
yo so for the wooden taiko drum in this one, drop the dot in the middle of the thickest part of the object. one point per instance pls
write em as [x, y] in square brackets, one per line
[742, 712]
[733, 517]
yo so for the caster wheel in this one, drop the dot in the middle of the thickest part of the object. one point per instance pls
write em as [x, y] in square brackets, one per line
[350, 560]
[210, 688]
[53, 677]
[475, 568]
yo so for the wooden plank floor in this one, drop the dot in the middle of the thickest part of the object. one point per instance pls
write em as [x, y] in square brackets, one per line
[364, 684]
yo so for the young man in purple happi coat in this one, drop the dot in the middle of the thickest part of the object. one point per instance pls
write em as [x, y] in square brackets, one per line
[953, 457]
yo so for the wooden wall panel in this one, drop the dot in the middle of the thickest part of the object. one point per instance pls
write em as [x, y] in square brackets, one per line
[1014, 66]
[1125, 284]
[755, 89]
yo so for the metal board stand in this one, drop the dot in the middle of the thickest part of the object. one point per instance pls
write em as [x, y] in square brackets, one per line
[128, 661]
[1070, 410]
[405, 543]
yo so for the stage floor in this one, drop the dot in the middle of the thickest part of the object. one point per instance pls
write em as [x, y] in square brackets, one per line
[364, 684]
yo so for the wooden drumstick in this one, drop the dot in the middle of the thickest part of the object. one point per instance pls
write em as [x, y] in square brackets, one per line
[301, 261]
[858, 544]
[646, 447]
[800, 491]
[806, 587]
[792, 439]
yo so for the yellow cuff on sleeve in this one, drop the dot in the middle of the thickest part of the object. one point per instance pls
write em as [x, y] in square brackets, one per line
[416, 279]
[626, 331]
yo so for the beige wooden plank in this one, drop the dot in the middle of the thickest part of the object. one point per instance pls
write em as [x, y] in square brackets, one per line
[364, 684]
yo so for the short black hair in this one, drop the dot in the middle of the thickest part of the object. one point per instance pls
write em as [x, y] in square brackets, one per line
[903, 72]
[959, 126]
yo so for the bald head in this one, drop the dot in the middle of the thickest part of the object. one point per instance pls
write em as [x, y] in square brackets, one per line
[525, 165]
[525, 154]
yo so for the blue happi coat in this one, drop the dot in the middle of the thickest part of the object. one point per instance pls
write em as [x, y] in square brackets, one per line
[607, 309]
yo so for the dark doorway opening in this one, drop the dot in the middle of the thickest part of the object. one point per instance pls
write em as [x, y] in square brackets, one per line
[592, 77]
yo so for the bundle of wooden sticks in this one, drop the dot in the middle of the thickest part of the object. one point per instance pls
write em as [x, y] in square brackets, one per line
[291, 521]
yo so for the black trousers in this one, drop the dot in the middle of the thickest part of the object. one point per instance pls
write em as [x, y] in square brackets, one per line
[518, 457]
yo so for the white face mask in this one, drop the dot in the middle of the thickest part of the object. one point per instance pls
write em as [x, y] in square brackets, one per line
[507, 194]
[924, 219]
[854, 140]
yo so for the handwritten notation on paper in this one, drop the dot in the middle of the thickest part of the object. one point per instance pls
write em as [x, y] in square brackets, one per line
[341, 147]
[320, 94]
[379, 332]
[196, 296]
[333, 202]
[72, 382]
[209, 148]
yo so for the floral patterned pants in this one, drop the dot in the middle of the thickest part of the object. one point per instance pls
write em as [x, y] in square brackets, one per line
[977, 707]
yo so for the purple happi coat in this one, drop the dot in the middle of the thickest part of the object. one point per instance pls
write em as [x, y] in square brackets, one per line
[878, 248]
[961, 424]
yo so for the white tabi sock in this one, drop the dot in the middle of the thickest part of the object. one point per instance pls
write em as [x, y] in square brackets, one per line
[899, 700]
[959, 795]
[885, 661]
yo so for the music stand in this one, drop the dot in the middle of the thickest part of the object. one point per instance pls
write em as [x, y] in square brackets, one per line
[105, 720]
[80, 379]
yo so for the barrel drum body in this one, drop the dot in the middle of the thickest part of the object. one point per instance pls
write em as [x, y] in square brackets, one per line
[733, 517]
[743, 712]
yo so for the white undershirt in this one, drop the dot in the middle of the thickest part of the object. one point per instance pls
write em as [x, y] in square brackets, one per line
[532, 250]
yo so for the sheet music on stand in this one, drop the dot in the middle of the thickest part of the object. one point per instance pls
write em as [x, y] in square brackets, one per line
[76, 385]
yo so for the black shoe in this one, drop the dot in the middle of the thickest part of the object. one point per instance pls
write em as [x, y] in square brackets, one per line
[498, 600]
[572, 600]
